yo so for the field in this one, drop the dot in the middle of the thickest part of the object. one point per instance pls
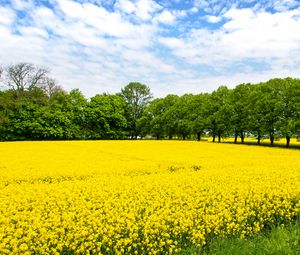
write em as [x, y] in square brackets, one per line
[140, 197]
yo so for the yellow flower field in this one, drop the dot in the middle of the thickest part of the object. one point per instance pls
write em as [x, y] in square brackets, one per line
[140, 197]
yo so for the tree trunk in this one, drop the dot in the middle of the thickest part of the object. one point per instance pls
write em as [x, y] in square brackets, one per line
[235, 138]
[242, 137]
[272, 140]
[170, 137]
[214, 138]
[258, 138]
[288, 139]
[183, 137]
[219, 137]
[198, 136]
[157, 137]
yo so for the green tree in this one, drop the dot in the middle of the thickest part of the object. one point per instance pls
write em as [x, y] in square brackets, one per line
[182, 112]
[288, 123]
[169, 115]
[106, 117]
[155, 118]
[270, 107]
[76, 108]
[151, 121]
[137, 96]
[217, 112]
[197, 114]
[6, 108]
[256, 112]
[28, 120]
[240, 111]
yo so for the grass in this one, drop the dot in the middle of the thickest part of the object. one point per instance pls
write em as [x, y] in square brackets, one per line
[277, 241]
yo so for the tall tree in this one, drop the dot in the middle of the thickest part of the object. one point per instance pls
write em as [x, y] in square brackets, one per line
[169, 116]
[197, 114]
[182, 112]
[76, 109]
[240, 111]
[287, 125]
[151, 122]
[270, 106]
[217, 112]
[137, 96]
[155, 120]
[256, 112]
[24, 76]
[105, 116]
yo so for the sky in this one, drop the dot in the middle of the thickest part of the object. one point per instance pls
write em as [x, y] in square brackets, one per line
[174, 47]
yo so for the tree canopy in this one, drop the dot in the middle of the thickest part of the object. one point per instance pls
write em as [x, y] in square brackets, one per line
[34, 107]
[137, 96]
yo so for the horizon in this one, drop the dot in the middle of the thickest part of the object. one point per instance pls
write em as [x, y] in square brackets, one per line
[173, 47]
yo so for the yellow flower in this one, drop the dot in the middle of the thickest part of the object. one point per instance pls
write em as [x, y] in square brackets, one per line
[144, 197]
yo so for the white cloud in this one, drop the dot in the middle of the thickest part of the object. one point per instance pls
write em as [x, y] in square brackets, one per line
[193, 10]
[284, 5]
[146, 8]
[172, 42]
[245, 16]
[33, 31]
[45, 18]
[22, 4]
[213, 19]
[7, 16]
[96, 49]
[126, 6]
[213, 7]
[166, 17]
[143, 9]
[71, 8]
[246, 35]
[108, 23]
[85, 46]
[263, 35]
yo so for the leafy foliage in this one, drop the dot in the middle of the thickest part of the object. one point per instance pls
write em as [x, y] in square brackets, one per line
[137, 96]
[34, 107]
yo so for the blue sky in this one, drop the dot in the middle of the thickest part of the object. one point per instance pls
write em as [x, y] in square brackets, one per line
[175, 47]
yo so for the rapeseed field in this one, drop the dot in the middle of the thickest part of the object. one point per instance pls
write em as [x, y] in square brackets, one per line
[140, 197]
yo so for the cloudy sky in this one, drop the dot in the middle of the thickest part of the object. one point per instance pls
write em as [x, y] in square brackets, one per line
[174, 46]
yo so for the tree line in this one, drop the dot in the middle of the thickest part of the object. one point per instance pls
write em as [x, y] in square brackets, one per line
[34, 107]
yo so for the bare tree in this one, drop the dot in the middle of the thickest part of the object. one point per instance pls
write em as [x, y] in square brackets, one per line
[51, 88]
[24, 76]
